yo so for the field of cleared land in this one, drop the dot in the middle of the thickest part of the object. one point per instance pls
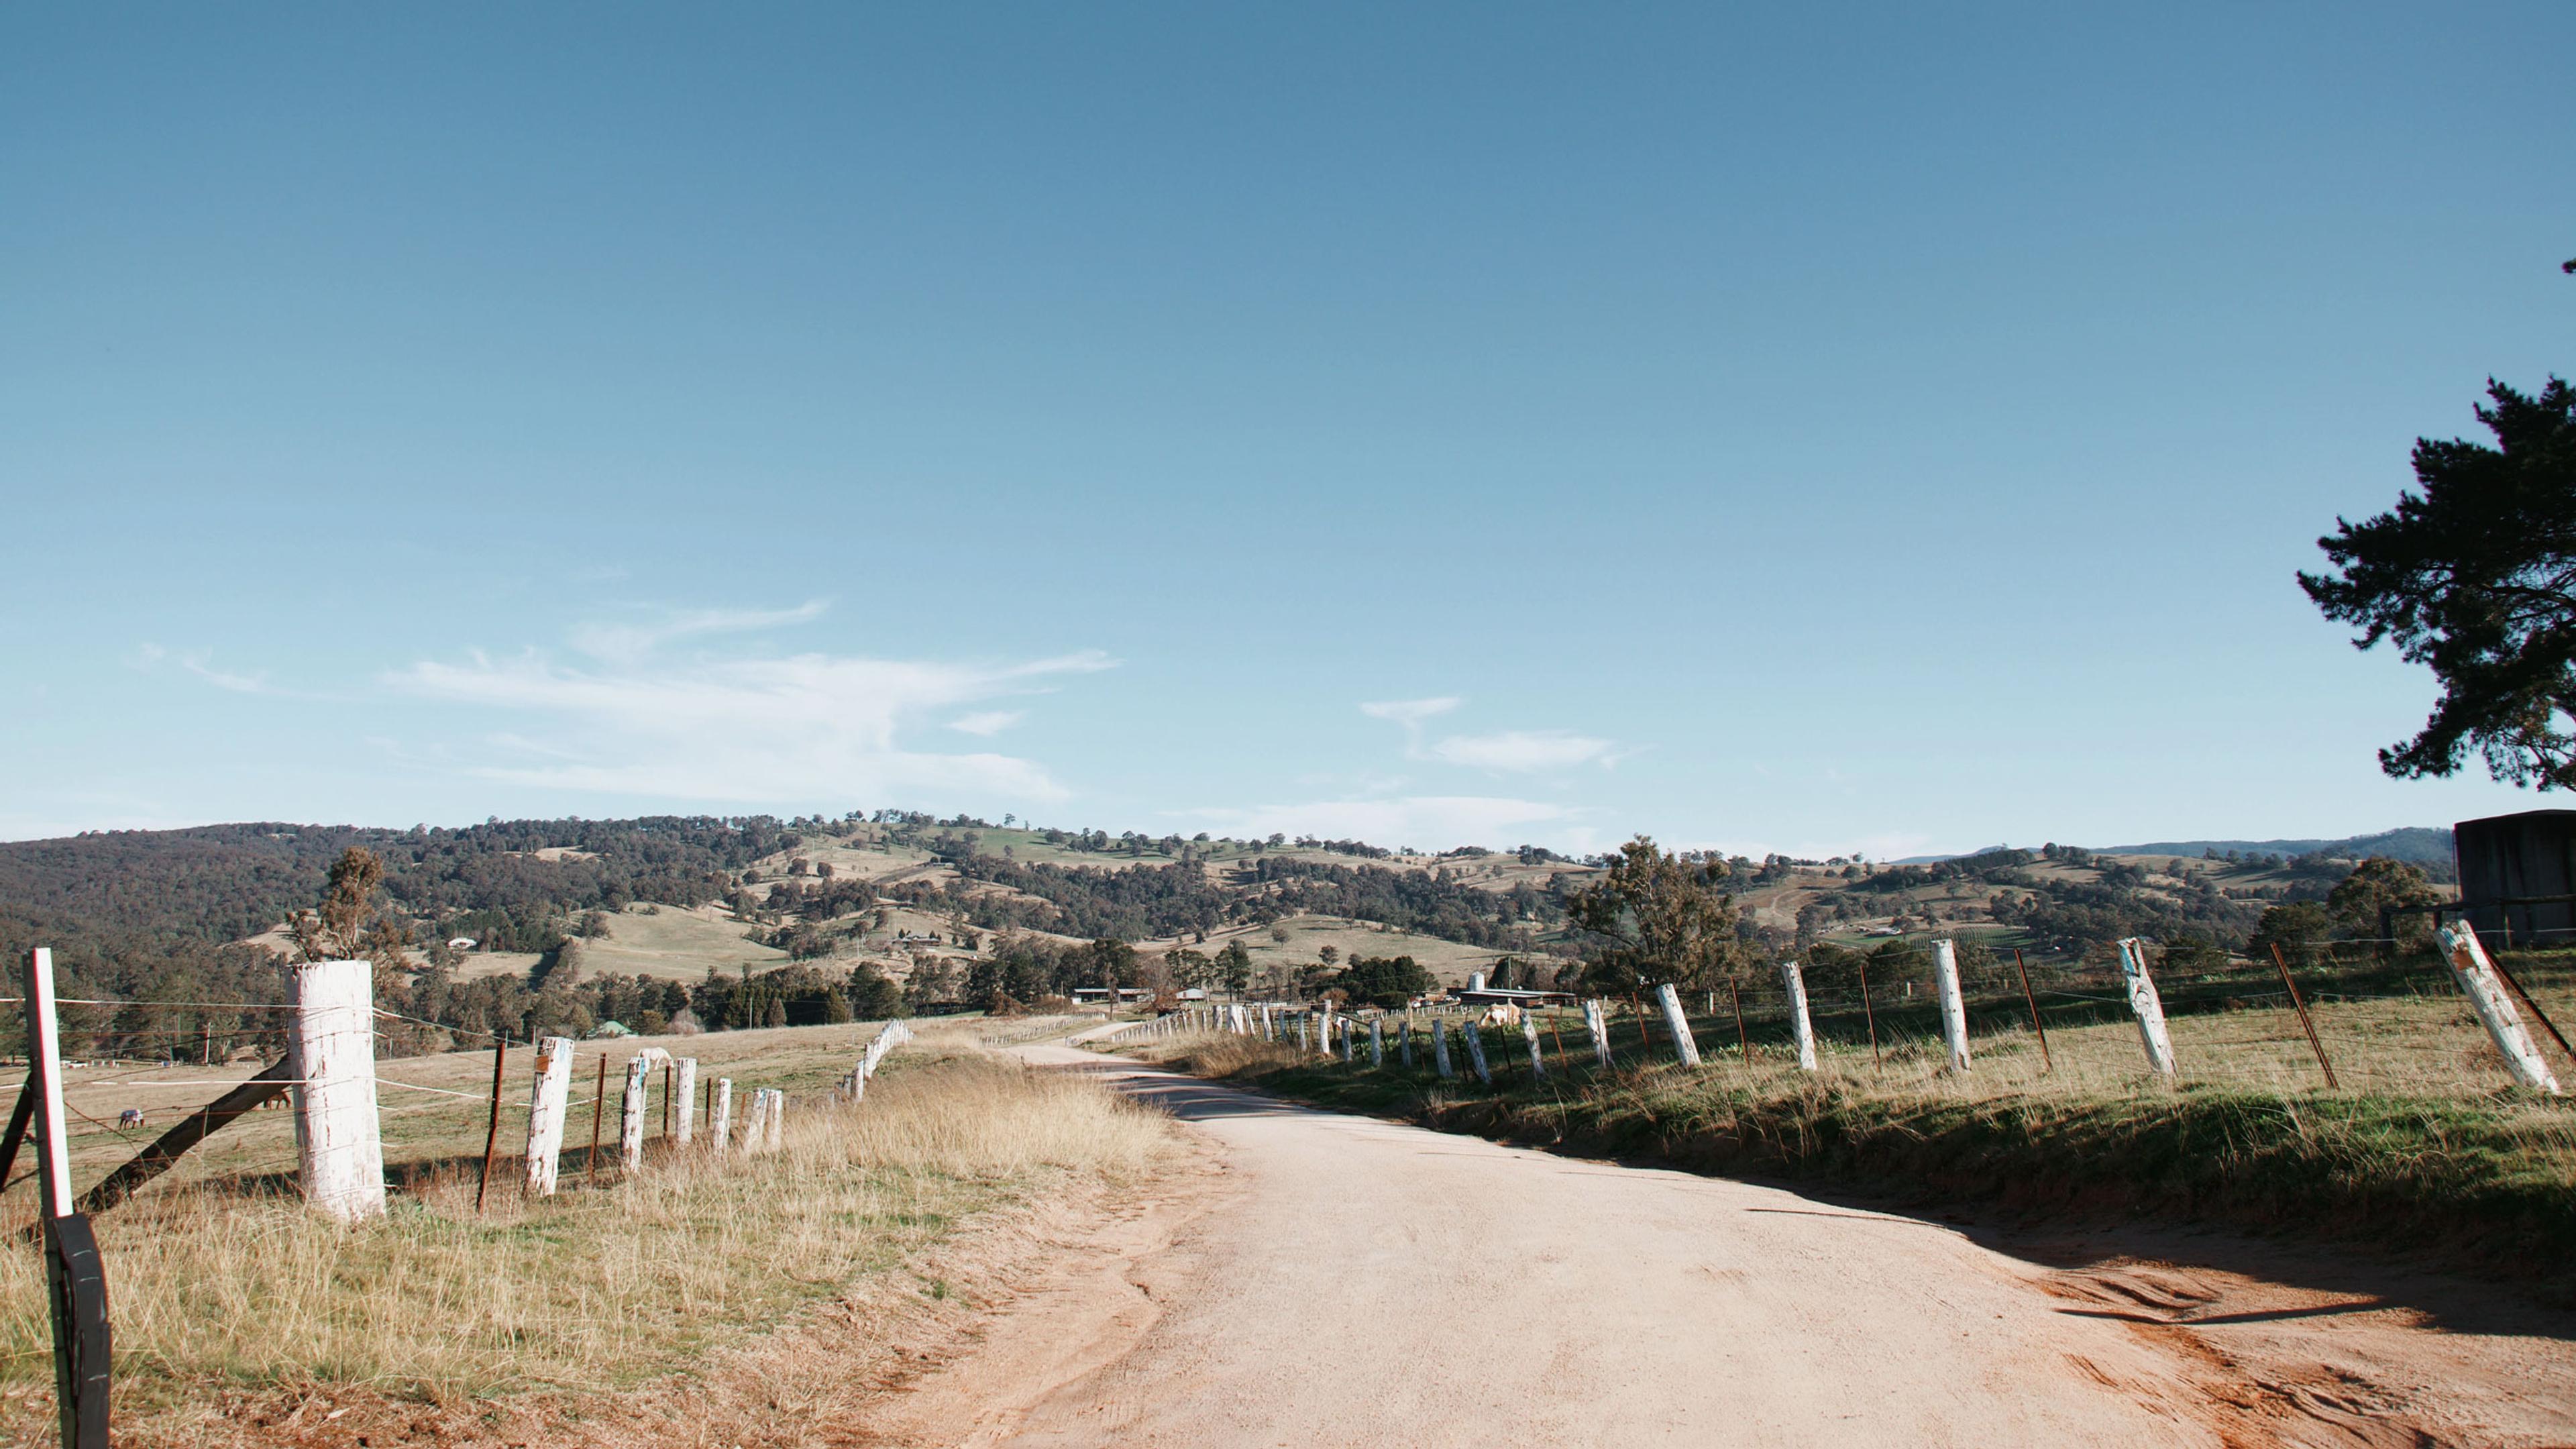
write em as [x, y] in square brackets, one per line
[2425, 1140]
[237, 1310]
[1307, 935]
[676, 944]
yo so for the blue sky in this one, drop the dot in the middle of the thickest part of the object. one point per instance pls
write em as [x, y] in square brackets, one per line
[1803, 429]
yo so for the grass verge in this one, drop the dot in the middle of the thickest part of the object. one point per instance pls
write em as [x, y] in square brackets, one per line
[229, 1293]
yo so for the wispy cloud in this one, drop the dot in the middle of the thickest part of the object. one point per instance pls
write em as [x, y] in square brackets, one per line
[1523, 750]
[1511, 751]
[630, 641]
[1409, 712]
[741, 729]
[200, 663]
[987, 722]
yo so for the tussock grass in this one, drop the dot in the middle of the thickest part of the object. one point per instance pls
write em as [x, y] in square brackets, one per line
[221, 1284]
[2425, 1143]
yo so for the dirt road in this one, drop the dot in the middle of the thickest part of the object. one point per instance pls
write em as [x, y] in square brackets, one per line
[1359, 1282]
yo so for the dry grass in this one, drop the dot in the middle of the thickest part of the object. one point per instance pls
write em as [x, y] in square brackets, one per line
[223, 1285]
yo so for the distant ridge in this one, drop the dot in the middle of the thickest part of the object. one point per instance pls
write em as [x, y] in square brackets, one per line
[2426, 844]
[2421, 844]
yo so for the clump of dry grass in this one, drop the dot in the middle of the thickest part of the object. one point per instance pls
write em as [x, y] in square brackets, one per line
[1219, 1054]
[218, 1285]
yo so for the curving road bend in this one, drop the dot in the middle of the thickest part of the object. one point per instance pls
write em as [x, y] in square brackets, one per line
[1370, 1283]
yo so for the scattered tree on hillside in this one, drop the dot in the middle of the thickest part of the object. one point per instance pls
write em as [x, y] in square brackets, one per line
[1389, 981]
[1653, 918]
[2378, 883]
[2299, 928]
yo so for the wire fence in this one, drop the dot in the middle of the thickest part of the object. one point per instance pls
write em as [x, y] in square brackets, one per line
[128, 1080]
[2399, 1025]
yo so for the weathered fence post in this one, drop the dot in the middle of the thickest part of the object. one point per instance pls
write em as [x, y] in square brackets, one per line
[1476, 1050]
[2150, 1008]
[1684, 1048]
[630, 1115]
[777, 1118]
[1868, 1013]
[1529, 1031]
[1795, 981]
[1267, 1034]
[2299, 1004]
[720, 1116]
[1597, 1022]
[2470, 967]
[1404, 1039]
[1954, 1006]
[598, 1105]
[753, 1128]
[492, 1126]
[546, 1113]
[688, 1094]
[1349, 1045]
[1377, 1042]
[1301, 1034]
[332, 1056]
[1440, 1046]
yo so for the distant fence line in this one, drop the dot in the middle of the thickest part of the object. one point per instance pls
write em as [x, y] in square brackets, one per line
[2499, 1002]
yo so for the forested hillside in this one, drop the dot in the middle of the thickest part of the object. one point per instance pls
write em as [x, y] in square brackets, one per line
[752, 921]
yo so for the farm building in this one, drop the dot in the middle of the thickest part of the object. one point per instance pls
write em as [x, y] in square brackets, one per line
[2518, 876]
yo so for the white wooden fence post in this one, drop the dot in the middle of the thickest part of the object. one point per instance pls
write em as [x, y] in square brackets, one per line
[630, 1115]
[1599, 1026]
[687, 1130]
[720, 1116]
[332, 1058]
[1267, 1034]
[1684, 1046]
[1349, 1045]
[1529, 1031]
[1794, 980]
[2476, 974]
[1377, 1042]
[51, 1128]
[1301, 1034]
[1476, 1050]
[777, 1118]
[753, 1129]
[1954, 1006]
[546, 1113]
[2150, 1007]
[1440, 1046]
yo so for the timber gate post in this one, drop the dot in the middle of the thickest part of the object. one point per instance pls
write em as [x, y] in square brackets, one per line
[331, 1056]
[1954, 1005]
[1794, 980]
[2149, 1007]
[2467, 957]
[546, 1106]
[1685, 1049]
